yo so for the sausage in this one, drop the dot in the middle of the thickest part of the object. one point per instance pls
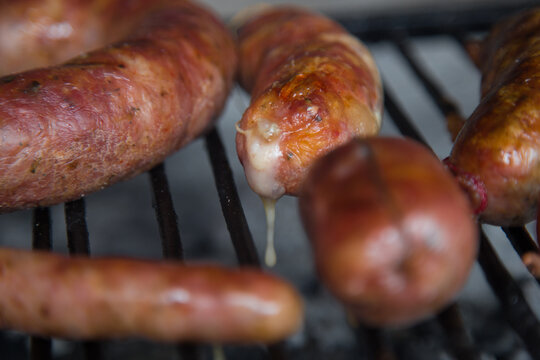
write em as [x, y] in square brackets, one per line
[313, 86]
[47, 32]
[531, 259]
[112, 113]
[393, 235]
[53, 295]
[496, 154]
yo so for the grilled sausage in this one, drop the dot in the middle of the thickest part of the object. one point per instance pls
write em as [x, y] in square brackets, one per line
[497, 153]
[49, 294]
[110, 114]
[47, 32]
[313, 87]
[393, 235]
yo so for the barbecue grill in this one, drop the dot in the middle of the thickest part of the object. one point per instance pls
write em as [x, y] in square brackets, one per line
[174, 212]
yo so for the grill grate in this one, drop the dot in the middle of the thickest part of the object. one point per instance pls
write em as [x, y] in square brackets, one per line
[397, 31]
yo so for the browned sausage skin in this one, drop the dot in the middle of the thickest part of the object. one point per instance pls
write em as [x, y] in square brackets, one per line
[313, 87]
[47, 294]
[499, 146]
[38, 33]
[112, 113]
[393, 235]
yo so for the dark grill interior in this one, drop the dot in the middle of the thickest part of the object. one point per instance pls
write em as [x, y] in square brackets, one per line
[462, 331]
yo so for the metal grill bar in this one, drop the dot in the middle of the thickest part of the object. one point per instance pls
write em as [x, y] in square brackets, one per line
[520, 239]
[515, 307]
[460, 339]
[189, 351]
[165, 214]
[434, 22]
[41, 347]
[76, 228]
[79, 245]
[376, 343]
[405, 126]
[171, 243]
[447, 107]
[41, 229]
[230, 202]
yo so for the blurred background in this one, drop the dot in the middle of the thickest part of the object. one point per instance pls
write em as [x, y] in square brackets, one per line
[121, 219]
[361, 7]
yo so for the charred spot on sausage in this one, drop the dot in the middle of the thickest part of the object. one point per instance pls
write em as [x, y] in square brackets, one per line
[34, 165]
[32, 88]
[7, 79]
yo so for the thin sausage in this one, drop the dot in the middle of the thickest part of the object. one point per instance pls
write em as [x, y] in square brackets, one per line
[53, 295]
[497, 153]
[107, 115]
[394, 237]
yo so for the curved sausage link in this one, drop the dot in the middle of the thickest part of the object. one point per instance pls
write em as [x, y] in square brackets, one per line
[313, 87]
[393, 235]
[500, 143]
[110, 114]
[38, 33]
[52, 295]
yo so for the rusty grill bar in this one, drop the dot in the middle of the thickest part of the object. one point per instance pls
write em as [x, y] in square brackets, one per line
[373, 343]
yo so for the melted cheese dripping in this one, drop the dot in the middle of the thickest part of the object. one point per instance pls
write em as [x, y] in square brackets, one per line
[218, 353]
[270, 257]
[263, 157]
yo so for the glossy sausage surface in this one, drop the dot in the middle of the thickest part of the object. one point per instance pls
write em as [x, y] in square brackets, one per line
[393, 235]
[112, 113]
[39, 33]
[497, 153]
[313, 87]
[49, 294]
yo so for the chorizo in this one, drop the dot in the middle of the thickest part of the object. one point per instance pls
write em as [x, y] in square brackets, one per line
[313, 86]
[109, 114]
[393, 235]
[78, 297]
[496, 155]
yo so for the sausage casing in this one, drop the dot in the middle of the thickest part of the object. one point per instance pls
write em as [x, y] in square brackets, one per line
[313, 86]
[107, 115]
[393, 235]
[79, 297]
[499, 146]
[39, 33]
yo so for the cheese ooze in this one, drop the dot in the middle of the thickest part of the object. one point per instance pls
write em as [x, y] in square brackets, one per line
[264, 155]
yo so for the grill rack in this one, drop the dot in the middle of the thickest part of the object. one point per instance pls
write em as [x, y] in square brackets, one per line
[396, 30]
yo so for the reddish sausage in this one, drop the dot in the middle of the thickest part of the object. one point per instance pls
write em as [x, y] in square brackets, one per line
[497, 154]
[112, 113]
[393, 235]
[313, 87]
[48, 294]
[37, 33]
